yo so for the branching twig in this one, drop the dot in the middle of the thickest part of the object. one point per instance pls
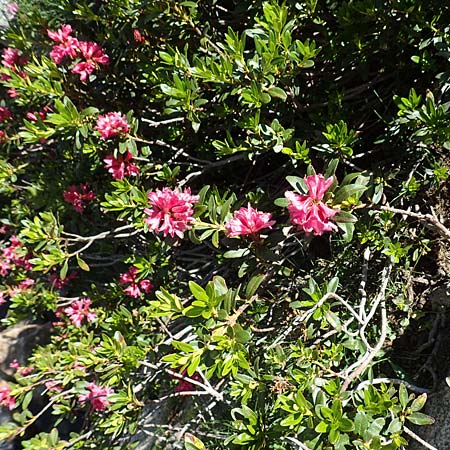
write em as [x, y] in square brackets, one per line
[368, 357]
[429, 220]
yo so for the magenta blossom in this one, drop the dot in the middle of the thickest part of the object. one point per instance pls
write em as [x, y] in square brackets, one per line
[308, 212]
[134, 289]
[11, 58]
[121, 166]
[5, 113]
[93, 55]
[112, 124]
[171, 211]
[248, 221]
[97, 396]
[76, 196]
[11, 9]
[6, 399]
[79, 310]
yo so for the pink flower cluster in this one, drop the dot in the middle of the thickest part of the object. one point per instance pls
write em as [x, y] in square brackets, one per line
[12, 58]
[77, 196]
[10, 257]
[5, 114]
[11, 9]
[112, 124]
[90, 53]
[22, 286]
[97, 396]
[57, 282]
[171, 211]
[248, 221]
[22, 371]
[186, 385]
[134, 289]
[308, 212]
[35, 116]
[79, 310]
[121, 166]
[6, 399]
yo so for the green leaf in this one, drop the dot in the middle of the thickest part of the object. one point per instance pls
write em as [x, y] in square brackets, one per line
[64, 269]
[298, 184]
[277, 92]
[403, 396]
[82, 265]
[282, 202]
[347, 191]
[419, 402]
[418, 418]
[193, 443]
[198, 292]
[236, 253]
[253, 285]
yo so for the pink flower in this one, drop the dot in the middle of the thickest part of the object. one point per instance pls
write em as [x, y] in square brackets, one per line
[138, 38]
[12, 92]
[248, 221]
[11, 57]
[121, 166]
[97, 396]
[62, 35]
[308, 212]
[112, 124]
[186, 385]
[84, 69]
[11, 9]
[171, 212]
[76, 196]
[67, 44]
[93, 55]
[78, 310]
[93, 52]
[24, 371]
[2, 296]
[134, 289]
[57, 282]
[54, 386]
[14, 364]
[5, 113]
[6, 399]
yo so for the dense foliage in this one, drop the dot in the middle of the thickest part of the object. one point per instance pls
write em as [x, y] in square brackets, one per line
[221, 209]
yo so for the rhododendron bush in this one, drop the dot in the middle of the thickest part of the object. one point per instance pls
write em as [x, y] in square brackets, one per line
[222, 218]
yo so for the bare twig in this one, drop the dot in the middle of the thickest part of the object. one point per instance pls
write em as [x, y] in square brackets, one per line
[429, 220]
[370, 354]
[419, 439]
[409, 386]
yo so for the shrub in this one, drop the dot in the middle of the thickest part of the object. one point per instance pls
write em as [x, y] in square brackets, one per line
[213, 201]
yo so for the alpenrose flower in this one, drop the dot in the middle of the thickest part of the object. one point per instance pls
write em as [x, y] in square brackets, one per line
[248, 221]
[134, 289]
[97, 396]
[11, 58]
[171, 211]
[6, 399]
[121, 166]
[5, 113]
[308, 212]
[79, 310]
[112, 124]
[76, 196]
[90, 53]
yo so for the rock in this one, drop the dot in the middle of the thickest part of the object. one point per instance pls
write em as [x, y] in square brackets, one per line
[438, 434]
[17, 342]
